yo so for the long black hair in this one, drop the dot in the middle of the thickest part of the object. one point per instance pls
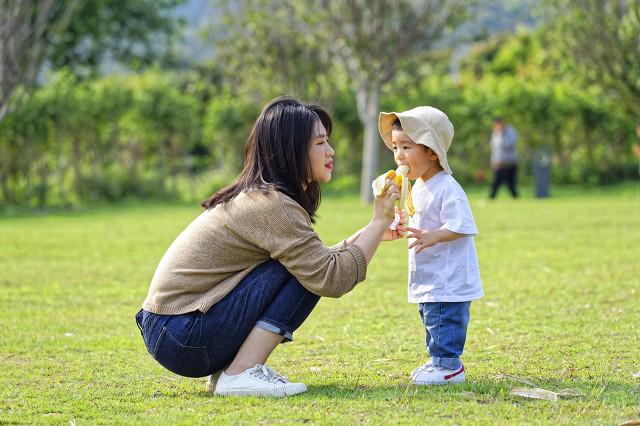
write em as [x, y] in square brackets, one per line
[276, 154]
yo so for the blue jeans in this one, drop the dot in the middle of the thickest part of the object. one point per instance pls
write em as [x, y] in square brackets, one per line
[196, 344]
[446, 327]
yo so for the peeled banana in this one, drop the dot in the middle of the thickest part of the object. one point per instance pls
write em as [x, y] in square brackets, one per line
[399, 176]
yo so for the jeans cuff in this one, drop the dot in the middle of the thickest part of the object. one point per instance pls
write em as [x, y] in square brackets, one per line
[287, 336]
[448, 363]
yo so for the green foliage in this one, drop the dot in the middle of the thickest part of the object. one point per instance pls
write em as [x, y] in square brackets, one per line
[603, 38]
[84, 37]
[182, 134]
[130, 32]
[560, 310]
[100, 139]
[227, 123]
[266, 51]
[517, 77]
[303, 45]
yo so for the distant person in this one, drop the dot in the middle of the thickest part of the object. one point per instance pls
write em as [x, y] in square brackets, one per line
[248, 271]
[504, 157]
[444, 276]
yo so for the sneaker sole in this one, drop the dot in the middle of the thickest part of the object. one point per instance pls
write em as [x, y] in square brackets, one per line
[448, 382]
[278, 393]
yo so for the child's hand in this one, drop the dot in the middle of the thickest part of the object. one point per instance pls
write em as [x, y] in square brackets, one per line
[394, 234]
[423, 238]
[391, 235]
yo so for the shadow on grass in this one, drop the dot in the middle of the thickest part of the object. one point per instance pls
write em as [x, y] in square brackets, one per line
[483, 392]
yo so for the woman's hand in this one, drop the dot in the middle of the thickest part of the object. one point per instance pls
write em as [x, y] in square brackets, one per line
[369, 237]
[384, 205]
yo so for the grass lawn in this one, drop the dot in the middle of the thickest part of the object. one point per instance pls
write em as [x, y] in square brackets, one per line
[562, 283]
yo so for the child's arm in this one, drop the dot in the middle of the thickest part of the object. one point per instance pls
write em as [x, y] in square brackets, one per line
[424, 238]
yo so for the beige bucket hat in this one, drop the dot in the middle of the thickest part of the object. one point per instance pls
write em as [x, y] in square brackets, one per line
[425, 125]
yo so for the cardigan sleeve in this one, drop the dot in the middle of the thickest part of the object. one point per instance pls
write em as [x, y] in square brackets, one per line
[284, 230]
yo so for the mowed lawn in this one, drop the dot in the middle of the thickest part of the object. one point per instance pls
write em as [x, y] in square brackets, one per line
[562, 311]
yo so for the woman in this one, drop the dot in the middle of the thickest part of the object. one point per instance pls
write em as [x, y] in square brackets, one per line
[247, 272]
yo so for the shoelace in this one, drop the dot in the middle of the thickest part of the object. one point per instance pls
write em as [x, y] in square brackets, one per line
[428, 367]
[265, 373]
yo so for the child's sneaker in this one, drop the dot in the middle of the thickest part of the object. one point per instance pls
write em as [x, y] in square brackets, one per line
[429, 375]
[257, 381]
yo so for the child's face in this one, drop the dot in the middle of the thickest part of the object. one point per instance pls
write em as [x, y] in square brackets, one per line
[421, 160]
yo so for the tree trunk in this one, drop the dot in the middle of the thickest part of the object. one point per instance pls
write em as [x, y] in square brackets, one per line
[43, 186]
[367, 100]
[76, 158]
[161, 168]
[6, 191]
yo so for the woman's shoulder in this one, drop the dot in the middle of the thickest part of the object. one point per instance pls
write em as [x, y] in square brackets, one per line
[266, 201]
[261, 197]
[253, 200]
[269, 210]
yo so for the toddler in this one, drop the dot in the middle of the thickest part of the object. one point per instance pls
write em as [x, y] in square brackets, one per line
[444, 276]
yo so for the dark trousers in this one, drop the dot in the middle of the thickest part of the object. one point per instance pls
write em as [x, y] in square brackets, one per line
[505, 174]
[197, 344]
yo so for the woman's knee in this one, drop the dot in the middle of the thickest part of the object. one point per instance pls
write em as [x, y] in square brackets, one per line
[274, 269]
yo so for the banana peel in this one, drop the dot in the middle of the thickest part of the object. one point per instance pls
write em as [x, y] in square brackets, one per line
[399, 177]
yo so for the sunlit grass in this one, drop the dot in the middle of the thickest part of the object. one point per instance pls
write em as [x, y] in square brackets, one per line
[562, 283]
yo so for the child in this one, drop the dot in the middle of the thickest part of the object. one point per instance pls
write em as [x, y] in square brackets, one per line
[443, 266]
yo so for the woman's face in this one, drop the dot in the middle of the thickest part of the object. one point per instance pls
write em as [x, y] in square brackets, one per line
[320, 154]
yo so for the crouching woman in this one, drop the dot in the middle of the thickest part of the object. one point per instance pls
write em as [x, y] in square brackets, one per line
[248, 271]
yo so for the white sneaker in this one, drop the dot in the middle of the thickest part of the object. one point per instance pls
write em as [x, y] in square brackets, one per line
[257, 381]
[211, 381]
[430, 375]
[421, 368]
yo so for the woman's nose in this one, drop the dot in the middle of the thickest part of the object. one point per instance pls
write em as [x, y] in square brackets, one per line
[330, 152]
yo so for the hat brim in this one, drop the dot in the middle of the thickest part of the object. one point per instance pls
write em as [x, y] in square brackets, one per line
[385, 127]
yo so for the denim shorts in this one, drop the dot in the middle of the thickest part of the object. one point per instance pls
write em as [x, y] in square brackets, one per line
[197, 344]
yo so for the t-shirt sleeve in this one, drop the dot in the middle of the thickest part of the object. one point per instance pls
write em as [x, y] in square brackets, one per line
[289, 238]
[456, 217]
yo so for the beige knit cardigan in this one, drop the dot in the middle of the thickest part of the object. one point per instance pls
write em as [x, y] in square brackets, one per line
[223, 244]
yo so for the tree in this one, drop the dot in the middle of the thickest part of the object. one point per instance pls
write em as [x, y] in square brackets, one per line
[77, 34]
[25, 28]
[369, 40]
[373, 39]
[603, 37]
[131, 33]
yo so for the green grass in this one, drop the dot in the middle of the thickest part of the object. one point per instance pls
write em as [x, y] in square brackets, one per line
[562, 283]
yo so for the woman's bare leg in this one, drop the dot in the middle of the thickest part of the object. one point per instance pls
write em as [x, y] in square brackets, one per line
[255, 350]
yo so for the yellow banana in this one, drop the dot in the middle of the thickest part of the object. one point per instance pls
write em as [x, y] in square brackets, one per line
[399, 176]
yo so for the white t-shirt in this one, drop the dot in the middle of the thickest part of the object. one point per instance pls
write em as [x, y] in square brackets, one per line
[446, 272]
